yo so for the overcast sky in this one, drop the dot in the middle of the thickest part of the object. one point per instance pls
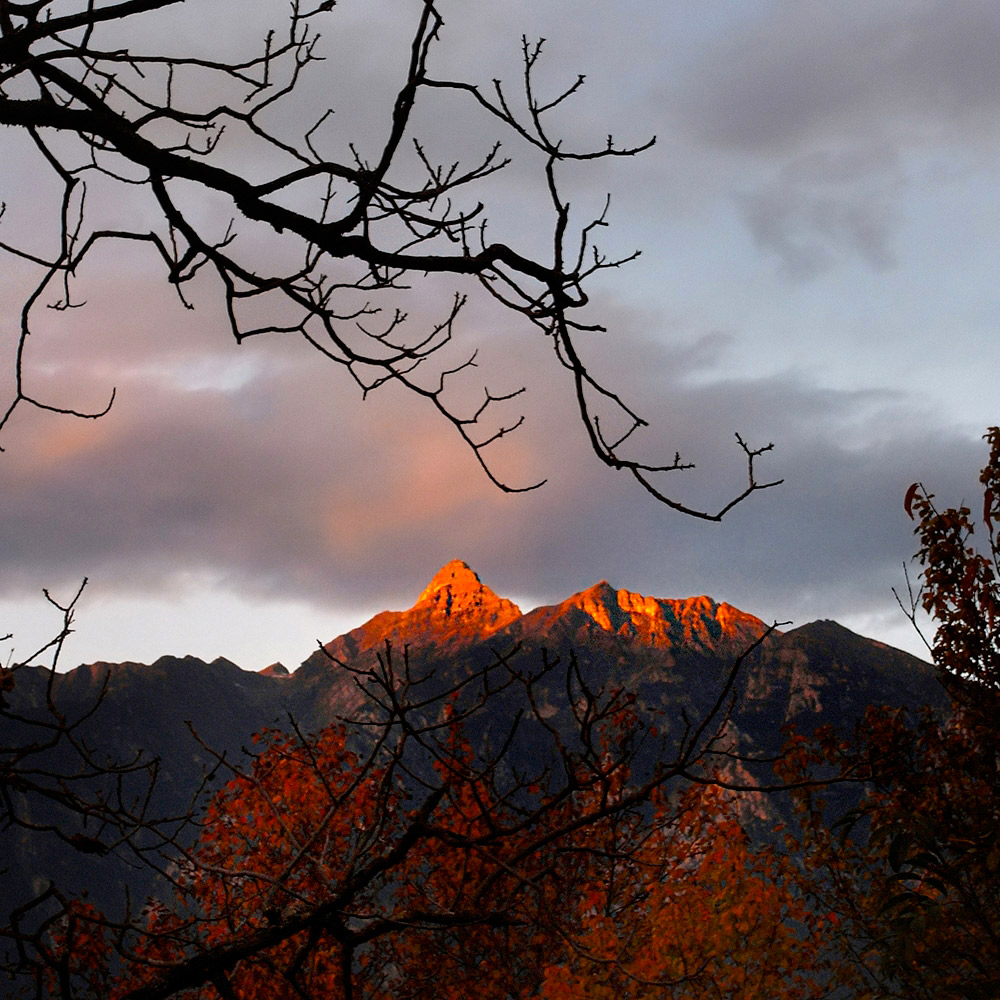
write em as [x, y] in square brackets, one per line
[819, 223]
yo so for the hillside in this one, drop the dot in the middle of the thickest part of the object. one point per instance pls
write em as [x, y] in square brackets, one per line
[672, 655]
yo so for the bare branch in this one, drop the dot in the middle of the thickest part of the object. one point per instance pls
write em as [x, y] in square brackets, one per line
[146, 119]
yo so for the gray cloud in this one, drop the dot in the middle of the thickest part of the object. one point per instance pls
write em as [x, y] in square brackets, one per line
[830, 112]
[811, 230]
[804, 75]
[277, 482]
[259, 469]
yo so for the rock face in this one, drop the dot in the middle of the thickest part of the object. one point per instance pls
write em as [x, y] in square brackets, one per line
[454, 611]
[456, 601]
[827, 672]
[694, 624]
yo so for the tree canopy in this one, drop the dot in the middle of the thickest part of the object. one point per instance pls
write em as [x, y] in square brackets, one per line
[914, 869]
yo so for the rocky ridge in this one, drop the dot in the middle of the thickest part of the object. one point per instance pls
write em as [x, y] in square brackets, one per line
[456, 610]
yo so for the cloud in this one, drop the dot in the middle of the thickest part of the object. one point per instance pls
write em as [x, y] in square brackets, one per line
[281, 485]
[811, 230]
[804, 76]
[828, 116]
[259, 473]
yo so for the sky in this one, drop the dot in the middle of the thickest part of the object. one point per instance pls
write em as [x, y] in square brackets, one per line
[819, 223]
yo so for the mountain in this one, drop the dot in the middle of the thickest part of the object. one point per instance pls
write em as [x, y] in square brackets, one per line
[458, 624]
[457, 611]
[695, 625]
[453, 611]
[673, 655]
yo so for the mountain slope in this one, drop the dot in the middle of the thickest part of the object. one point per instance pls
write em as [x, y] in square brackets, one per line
[673, 655]
[696, 624]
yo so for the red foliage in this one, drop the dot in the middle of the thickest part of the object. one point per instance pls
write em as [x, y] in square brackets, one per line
[318, 876]
[916, 883]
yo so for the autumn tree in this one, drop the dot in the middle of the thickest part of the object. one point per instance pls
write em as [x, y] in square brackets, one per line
[700, 911]
[327, 231]
[916, 872]
[437, 848]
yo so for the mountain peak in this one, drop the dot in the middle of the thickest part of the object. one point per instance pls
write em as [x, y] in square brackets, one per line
[277, 669]
[456, 577]
[693, 622]
[453, 610]
[456, 592]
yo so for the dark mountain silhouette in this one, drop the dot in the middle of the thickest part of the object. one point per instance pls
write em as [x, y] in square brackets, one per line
[672, 654]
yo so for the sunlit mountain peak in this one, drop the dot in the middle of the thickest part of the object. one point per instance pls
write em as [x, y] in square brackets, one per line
[698, 622]
[455, 576]
[456, 591]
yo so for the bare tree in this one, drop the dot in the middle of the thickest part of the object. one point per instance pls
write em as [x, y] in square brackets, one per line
[56, 783]
[44, 761]
[357, 228]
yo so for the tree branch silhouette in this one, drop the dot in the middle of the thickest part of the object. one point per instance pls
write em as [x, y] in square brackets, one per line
[136, 119]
